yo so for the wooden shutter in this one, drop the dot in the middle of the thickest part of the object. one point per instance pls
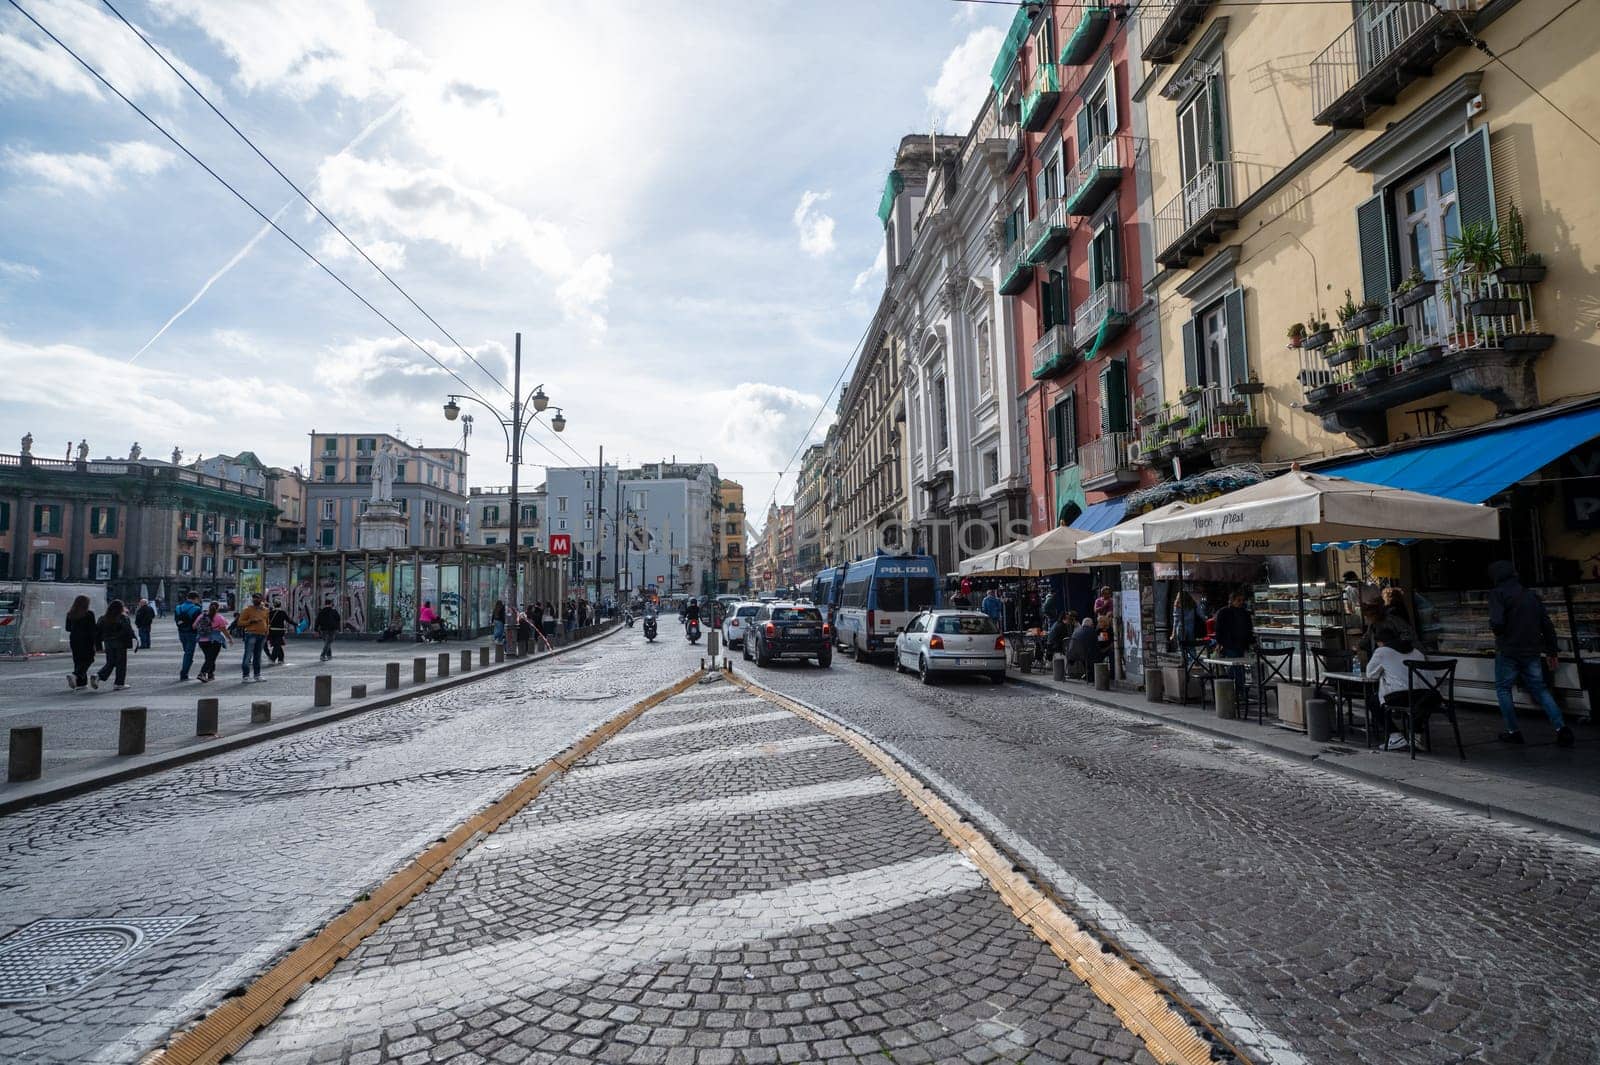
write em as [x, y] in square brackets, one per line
[1070, 420]
[1114, 397]
[1191, 353]
[1061, 293]
[1238, 350]
[1474, 179]
[1111, 99]
[1085, 134]
[1375, 235]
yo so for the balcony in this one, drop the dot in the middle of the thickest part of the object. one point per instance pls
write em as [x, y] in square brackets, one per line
[1047, 232]
[1016, 273]
[1016, 146]
[1198, 216]
[1173, 23]
[1108, 463]
[1052, 353]
[1385, 49]
[1086, 38]
[1101, 318]
[1040, 100]
[1471, 334]
[1097, 173]
[1213, 428]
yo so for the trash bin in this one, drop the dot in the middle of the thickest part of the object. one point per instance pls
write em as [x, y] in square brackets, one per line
[1155, 686]
[1319, 720]
[1227, 704]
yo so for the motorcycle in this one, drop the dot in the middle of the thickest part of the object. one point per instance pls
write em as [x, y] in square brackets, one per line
[650, 629]
[627, 617]
[693, 629]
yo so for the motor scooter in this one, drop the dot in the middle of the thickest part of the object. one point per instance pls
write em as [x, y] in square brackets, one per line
[693, 630]
[650, 627]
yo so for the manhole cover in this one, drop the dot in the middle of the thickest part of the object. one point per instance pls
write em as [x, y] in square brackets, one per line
[51, 958]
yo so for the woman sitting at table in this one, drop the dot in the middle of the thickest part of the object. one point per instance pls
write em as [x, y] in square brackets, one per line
[1060, 633]
[1105, 638]
[1391, 651]
[1081, 648]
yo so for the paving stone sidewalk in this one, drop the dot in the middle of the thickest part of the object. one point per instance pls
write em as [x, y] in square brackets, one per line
[718, 884]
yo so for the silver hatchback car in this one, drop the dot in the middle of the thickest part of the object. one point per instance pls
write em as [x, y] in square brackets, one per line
[951, 641]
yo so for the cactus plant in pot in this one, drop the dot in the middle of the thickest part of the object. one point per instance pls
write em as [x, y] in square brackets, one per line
[1353, 315]
[1318, 333]
[1519, 265]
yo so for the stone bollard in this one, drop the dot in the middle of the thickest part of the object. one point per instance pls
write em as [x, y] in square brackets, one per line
[358, 691]
[205, 717]
[499, 653]
[483, 654]
[419, 670]
[130, 731]
[1227, 704]
[391, 676]
[27, 754]
[712, 640]
[1319, 720]
[261, 712]
[466, 661]
[1155, 686]
[1102, 676]
[444, 664]
[1058, 667]
[322, 690]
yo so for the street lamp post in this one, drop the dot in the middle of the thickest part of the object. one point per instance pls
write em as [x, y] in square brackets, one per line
[515, 427]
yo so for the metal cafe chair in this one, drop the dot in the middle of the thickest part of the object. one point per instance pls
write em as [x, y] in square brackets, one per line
[1272, 669]
[1430, 689]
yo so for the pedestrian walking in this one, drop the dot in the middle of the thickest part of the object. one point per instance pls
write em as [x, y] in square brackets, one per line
[1524, 647]
[187, 614]
[211, 634]
[83, 636]
[277, 630]
[569, 617]
[524, 631]
[254, 622]
[116, 637]
[498, 617]
[993, 607]
[327, 627]
[536, 614]
[144, 616]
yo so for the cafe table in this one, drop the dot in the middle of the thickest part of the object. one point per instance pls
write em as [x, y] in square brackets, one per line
[1346, 686]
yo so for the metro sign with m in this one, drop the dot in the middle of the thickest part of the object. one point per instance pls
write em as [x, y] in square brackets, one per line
[560, 544]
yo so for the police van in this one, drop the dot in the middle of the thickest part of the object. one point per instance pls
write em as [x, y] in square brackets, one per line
[879, 597]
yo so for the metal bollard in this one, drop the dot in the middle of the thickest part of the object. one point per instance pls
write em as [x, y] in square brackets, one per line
[483, 655]
[711, 644]
[499, 653]
[322, 690]
[1102, 676]
[1319, 720]
[130, 731]
[1058, 668]
[391, 676]
[260, 712]
[444, 663]
[466, 661]
[1155, 686]
[358, 691]
[419, 670]
[27, 754]
[205, 717]
[1227, 702]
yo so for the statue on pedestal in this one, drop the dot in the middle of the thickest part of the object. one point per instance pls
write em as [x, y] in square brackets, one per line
[134, 452]
[83, 450]
[383, 474]
[177, 456]
[27, 444]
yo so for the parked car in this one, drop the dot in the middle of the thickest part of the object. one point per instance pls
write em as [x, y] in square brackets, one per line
[951, 641]
[788, 630]
[736, 619]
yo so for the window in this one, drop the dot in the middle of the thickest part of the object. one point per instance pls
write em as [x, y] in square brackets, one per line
[984, 348]
[330, 471]
[185, 563]
[920, 593]
[639, 500]
[230, 565]
[530, 513]
[561, 504]
[1097, 118]
[47, 565]
[991, 468]
[966, 625]
[366, 444]
[588, 523]
[1214, 350]
[102, 521]
[796, 613]
[427, 508]
[5, 521]
[1115, 416]
[1047, 183]
[330, 445]
[327, 537]
[208, 565]
[1053, 302]
[733, 550]
[941, 414]
[399, 472]
[47, 518]
[327, 510]
[530, 541]
[491, 515]
[561, 525]
[490, 541]
[1103, 265]
[1199, 145]
[1428, 218]
[103, 565]
[1063, 424]
[364, 471]
[190, 520]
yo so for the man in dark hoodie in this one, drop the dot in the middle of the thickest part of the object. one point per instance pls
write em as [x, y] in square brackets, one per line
[1524, 642]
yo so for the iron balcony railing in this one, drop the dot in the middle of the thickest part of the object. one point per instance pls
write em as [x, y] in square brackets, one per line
[1047, 231]
[1107, 456]
[1053, 346]
[1015, 270]
[1215, 415]
[1384, 36]
[1110, 298]
[1206, 203]
[1042, 94]
[1097, 171]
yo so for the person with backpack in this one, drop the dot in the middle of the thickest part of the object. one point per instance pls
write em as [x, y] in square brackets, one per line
[1524, 647]
[327, 627]
[144, 616]
[253, 622]
[83, 637]
[186, 614]
[211, 634]
[277, 629]
[116, 636]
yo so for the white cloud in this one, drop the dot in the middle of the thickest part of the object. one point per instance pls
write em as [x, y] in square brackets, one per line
[420, 203]
[18, 271]
[389, 368]
[766, 423]
[389, 254]
[62, 172]
[33, 65]
[964, 80]
[816, 227]
[879, 264]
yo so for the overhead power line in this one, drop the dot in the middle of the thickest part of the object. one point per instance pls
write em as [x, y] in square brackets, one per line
[242, 198]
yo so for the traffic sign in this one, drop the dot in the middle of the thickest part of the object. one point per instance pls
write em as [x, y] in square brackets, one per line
[560, 544]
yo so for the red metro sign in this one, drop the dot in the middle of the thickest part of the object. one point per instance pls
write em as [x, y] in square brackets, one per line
[560, 544]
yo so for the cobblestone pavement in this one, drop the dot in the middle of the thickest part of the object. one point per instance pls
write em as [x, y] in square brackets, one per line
[1356, 925]
[263, 845]
[720, 883]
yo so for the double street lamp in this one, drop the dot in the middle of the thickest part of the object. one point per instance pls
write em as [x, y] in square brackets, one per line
[515, 427]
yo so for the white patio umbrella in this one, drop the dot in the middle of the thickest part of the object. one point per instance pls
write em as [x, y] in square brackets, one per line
[1276, 517]
[1049, 552]
[984, 564]
[1125, 542]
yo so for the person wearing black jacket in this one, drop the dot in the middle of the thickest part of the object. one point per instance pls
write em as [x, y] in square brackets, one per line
[144, 616]
[1236, 630]
[83, 636]
[327, 627]
[116, 636]
[277, 630]
[1524, 646]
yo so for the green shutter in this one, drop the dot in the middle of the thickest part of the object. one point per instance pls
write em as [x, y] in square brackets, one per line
[1375, 237]
[1238, 350]
[1474, 178]
[1191, 354]
[1085, 135]
[1114, 397]
[1062, 291]
[111, 521]
[5, 522]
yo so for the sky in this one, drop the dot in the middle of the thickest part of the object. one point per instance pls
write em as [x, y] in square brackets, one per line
[674, 203]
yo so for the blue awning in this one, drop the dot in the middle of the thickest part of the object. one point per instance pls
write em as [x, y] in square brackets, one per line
[1473, 468]
[1099, 516]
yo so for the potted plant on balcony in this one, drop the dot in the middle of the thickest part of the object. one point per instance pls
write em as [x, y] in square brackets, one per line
[1321, 393]
[1297, 334]
[1353, 315]
[1414, 289]
[1179, 418]
[1251, 386]
[1386, 335]
[1191, 395]
[1191, 440]
[1415, 356]
[1318, 333]
[1231, 408]
[1529, 338]
[1519, 265]
[1372, 371]
[1348, 349]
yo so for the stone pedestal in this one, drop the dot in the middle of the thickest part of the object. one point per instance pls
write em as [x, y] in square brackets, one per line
[383, 526]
